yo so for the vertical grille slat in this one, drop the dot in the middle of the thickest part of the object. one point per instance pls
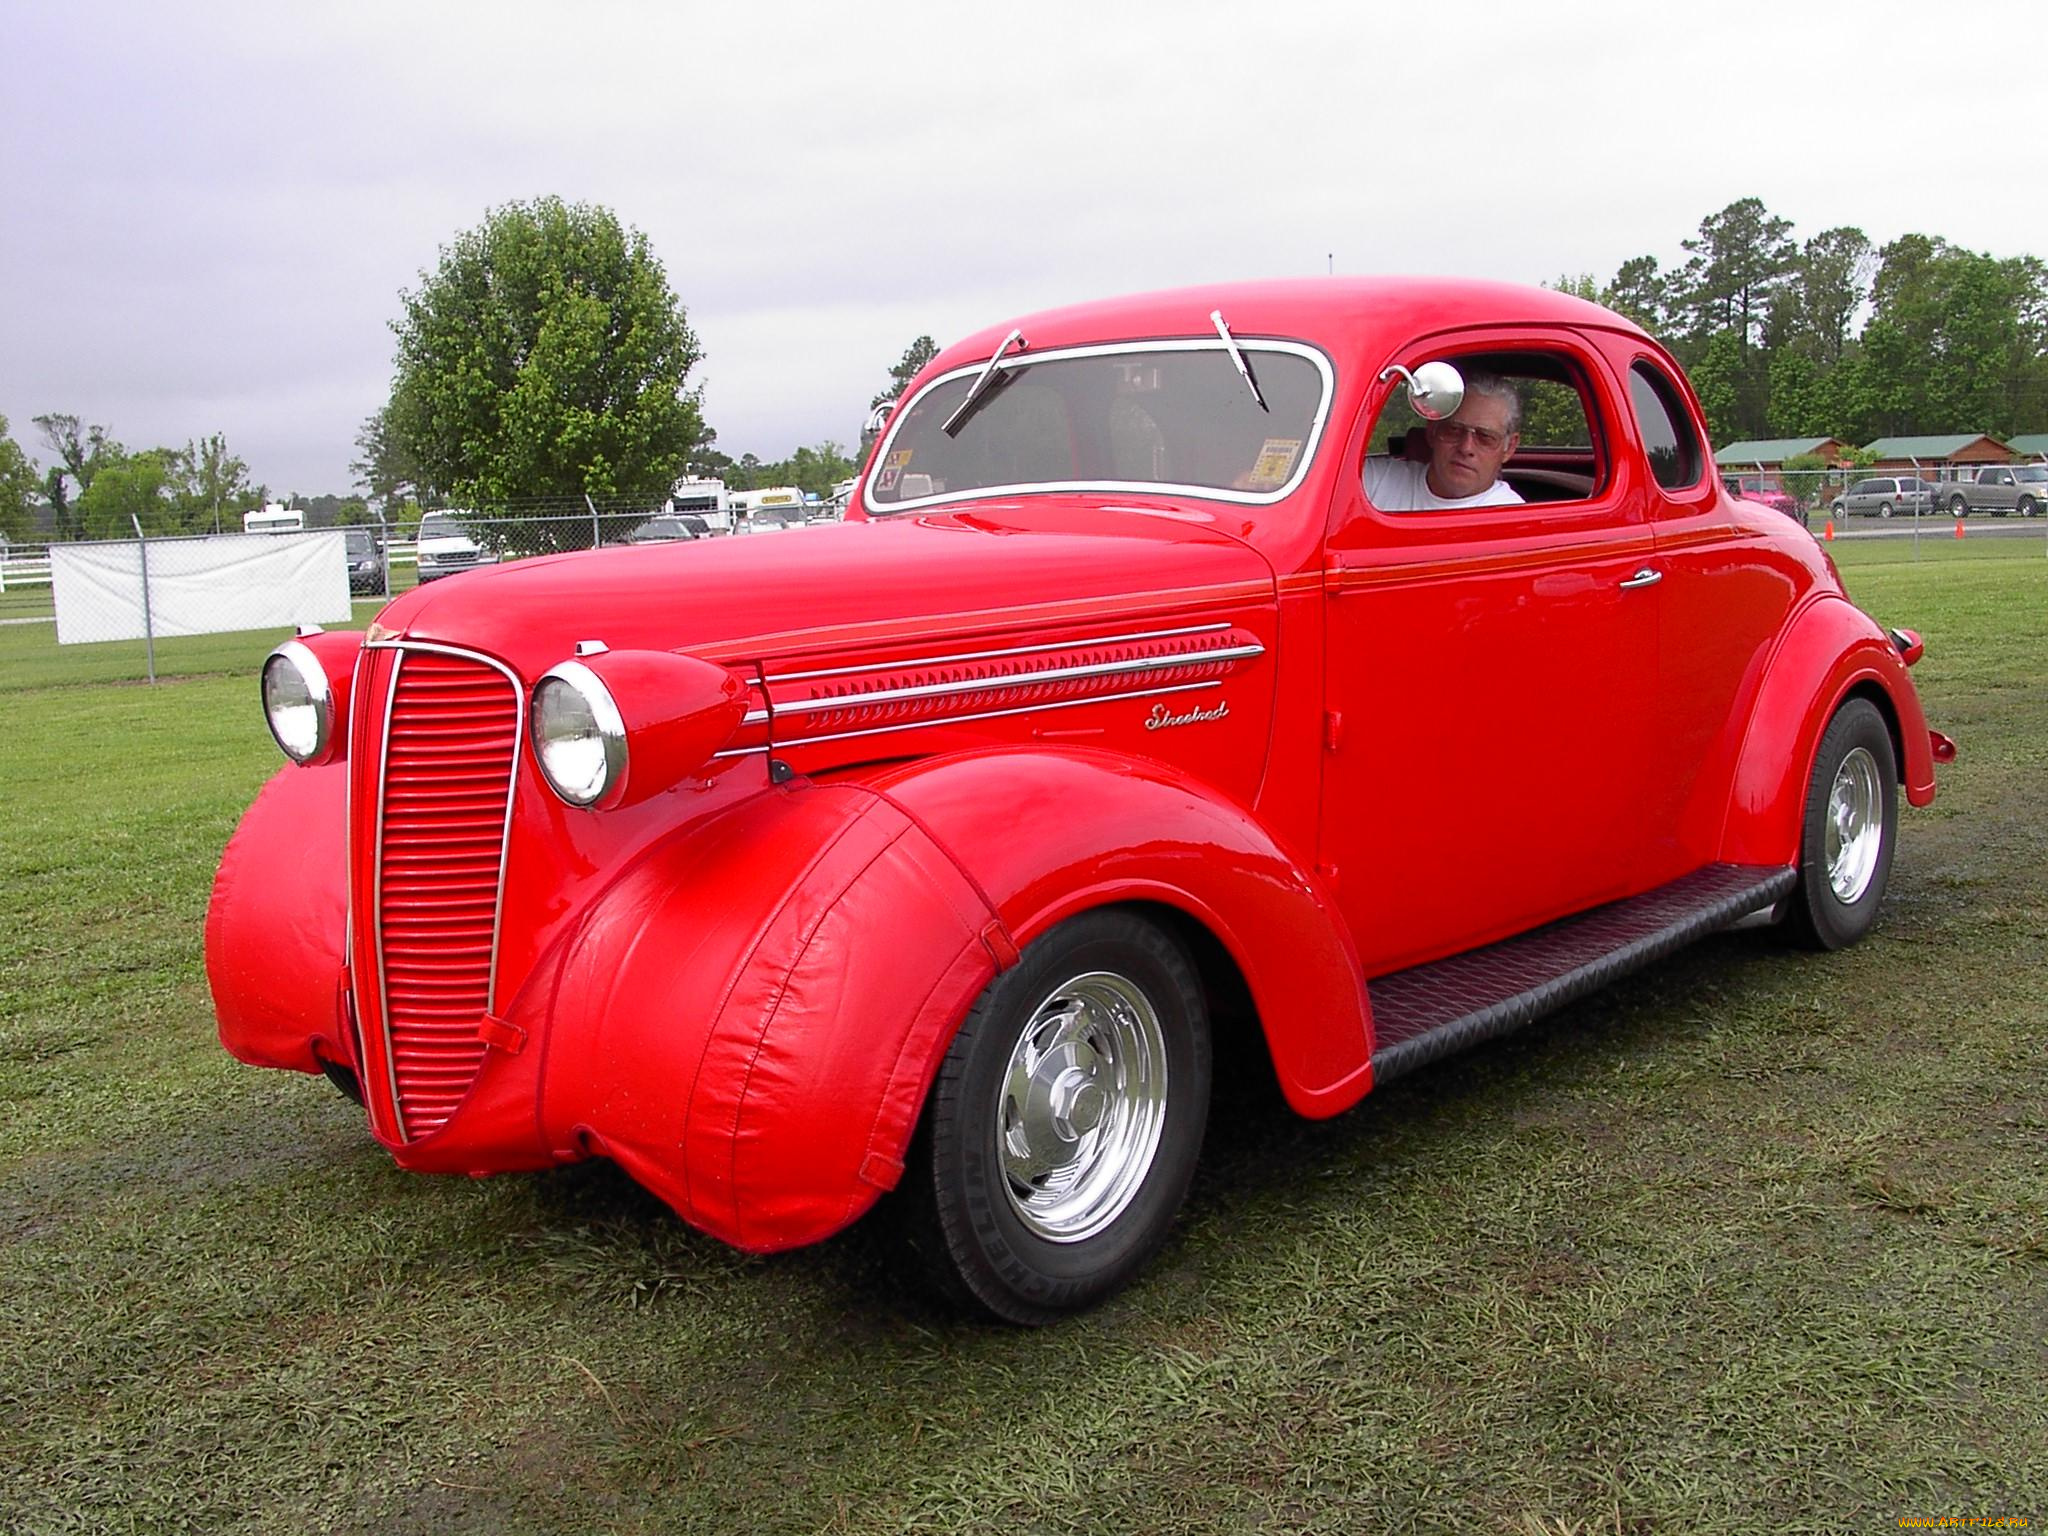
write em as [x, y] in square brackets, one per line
[450, 752]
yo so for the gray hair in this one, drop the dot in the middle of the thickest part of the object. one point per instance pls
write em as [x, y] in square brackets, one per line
[1494, 387]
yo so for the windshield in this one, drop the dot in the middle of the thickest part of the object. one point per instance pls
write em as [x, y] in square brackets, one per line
[2031, 475]
[1148, 416]
[439, 525]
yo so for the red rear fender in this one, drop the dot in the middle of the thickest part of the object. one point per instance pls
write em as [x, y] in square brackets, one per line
[1832, 649]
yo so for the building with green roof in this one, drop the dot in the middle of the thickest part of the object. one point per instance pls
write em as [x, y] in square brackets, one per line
[2029, 445]
[1770, 452]
[1927, 452]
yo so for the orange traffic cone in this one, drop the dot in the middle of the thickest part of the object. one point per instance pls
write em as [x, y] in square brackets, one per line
[1827, 531]
[1959, 527]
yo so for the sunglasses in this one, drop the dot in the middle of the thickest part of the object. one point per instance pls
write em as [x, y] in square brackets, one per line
[1457, 431]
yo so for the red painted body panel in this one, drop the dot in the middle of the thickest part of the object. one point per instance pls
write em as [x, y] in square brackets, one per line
[275, 924]
[1302, 724]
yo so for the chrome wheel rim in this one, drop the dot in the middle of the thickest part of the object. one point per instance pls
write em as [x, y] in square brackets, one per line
[1855, 826]
[1083, 1106]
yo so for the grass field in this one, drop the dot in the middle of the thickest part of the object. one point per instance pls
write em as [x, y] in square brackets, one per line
[1756, 1241]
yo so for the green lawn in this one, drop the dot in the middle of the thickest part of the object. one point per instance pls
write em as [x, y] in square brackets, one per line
[1757, 1241]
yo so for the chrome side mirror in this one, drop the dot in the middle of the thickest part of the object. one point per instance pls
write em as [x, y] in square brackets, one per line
[878, 418]
[1436, 389]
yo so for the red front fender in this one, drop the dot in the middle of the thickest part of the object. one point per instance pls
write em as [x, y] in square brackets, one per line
[277, 922]
[746, 1021]
[1047, 832]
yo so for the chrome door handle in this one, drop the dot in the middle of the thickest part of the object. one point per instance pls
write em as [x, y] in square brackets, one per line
[1646, 577]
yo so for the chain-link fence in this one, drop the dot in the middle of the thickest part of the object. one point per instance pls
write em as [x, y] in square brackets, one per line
[1847, 497]
[145, 607]
[118, 632]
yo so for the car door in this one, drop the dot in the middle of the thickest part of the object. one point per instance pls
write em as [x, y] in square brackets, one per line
[1728, 591]
[1487, 689]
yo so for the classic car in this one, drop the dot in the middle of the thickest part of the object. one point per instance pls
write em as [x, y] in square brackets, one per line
[932, 851]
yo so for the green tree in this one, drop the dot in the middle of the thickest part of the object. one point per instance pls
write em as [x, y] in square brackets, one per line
[1739, 258]
[1829, 283]
[545, 356]
[1640, 292]
[82, 451]
[19, 483]
[386, 472]
[1717, 379]
[1955, 341]
[210, 487]
[137, 486]
[908, 366]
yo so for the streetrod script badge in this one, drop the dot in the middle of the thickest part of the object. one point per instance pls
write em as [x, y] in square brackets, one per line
[1162, 718]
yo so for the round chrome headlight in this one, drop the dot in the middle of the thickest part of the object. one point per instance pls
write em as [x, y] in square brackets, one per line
[579, 737]
[298, 705]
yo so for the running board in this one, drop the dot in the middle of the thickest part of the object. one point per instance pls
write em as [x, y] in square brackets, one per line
[1433, 1010]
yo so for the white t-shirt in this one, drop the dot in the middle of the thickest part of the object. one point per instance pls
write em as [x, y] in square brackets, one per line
[1401, 485]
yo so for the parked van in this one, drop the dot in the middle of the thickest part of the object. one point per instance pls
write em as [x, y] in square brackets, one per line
[706, 499]
[774, 506]
[271, 518]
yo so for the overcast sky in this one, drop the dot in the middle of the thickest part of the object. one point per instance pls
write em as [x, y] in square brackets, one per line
[210, 209]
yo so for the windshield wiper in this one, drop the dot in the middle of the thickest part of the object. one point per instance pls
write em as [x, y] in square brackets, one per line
[1237, 357]
[980, 383]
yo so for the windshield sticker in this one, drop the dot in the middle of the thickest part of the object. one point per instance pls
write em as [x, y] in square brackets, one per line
[892, 469]
[1276, 463]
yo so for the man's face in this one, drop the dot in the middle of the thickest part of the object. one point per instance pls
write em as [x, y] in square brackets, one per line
[1467, 450]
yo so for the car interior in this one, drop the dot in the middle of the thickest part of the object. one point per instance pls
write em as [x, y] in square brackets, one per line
[1559, 458]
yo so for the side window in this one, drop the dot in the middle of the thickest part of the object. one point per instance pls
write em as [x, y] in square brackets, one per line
[1673, 451]
[1537, 439]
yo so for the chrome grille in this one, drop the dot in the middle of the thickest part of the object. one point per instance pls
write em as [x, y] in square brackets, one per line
[450, 749]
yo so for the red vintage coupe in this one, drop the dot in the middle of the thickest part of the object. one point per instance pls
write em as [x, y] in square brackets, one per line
[928, 852]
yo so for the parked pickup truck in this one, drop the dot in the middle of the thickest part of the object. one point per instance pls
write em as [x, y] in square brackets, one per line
[1997, 489]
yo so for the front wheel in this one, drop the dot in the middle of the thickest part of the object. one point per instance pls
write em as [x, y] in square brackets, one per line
[1852, 823]
[2028, 506]
[1062, 1130]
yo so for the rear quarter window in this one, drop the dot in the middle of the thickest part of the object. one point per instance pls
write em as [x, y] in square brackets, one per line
[1666, 428]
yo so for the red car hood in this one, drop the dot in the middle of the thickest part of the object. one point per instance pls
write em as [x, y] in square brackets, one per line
[852, 586]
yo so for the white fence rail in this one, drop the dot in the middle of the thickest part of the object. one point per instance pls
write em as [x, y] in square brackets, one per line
[24, 565]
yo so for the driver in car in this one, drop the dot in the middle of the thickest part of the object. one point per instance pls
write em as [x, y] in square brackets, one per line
[1465, 453]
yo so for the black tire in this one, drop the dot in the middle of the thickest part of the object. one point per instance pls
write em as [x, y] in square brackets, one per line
[1958, 506]
[1884, 509]
[2028, 507]
[1031, 1252]
[1841, 883]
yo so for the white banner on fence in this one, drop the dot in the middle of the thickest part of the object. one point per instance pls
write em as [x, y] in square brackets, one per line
[199, 586]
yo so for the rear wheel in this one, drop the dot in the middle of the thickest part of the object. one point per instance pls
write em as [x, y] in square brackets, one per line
[1062, 1129]
[1884, 509]
[1852, 823]
[1958, 506]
